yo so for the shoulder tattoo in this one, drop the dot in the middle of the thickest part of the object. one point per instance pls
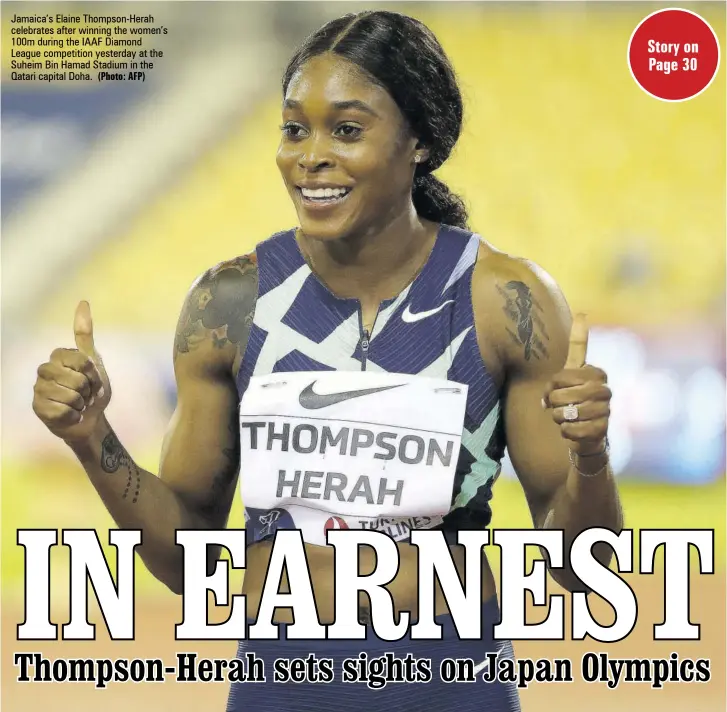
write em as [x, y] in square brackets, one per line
[524, 311]
[220, 307]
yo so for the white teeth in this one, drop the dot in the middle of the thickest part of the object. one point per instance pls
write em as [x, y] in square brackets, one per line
[324, 192]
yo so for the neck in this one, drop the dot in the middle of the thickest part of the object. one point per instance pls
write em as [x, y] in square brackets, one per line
[376, 264]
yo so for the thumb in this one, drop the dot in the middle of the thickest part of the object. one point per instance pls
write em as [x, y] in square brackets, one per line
[83, 330]
[578, 343]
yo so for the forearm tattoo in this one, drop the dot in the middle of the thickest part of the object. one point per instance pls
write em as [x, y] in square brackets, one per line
[114, 458]
[525, 312]
[220, 307]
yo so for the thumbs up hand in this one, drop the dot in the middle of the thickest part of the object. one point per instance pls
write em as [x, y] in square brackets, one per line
[579, 397]
[72, 389]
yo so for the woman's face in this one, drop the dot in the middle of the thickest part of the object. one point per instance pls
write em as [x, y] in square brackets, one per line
[346, 154]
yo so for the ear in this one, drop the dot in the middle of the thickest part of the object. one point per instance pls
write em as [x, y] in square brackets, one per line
[421, 154]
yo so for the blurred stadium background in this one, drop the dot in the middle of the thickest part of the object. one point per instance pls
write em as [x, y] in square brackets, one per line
[122, 193]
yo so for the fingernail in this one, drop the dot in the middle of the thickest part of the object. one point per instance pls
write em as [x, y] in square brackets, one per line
[90, 403]
[100, 392]
[81, 420]
[543, 404]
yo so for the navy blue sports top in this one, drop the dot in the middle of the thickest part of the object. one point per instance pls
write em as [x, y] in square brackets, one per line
[428, 330]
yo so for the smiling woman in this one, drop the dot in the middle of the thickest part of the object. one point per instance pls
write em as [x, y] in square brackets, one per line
[383, 119]
[365, 369]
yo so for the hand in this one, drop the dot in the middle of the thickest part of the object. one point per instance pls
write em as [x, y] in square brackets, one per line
[72, 389]
[585, 387]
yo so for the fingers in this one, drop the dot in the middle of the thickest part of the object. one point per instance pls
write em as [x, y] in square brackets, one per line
[83, 333]
[83, 330]
[576, 376]
[64, 386]
[57, 393]
[588, 431]
[76, 361]
[583, 386]
[65, 377]
[72, 381]
[61, 393]
[56, 415]
[591, 391]
[578, 343]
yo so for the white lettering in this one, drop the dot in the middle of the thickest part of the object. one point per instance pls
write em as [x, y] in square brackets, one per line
[37, 544]
[676, 625]
[197, 583]
[515, 582]
[434, 561]
[663, 47]
[465, 604]
[288, 555]
[116, 601]
[348, 583]
[605, 583]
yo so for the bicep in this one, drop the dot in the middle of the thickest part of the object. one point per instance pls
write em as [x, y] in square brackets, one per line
[200, 455]
[534, 324]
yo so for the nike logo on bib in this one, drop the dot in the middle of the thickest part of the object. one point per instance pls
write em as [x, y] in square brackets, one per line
[410, 317]
[311, 400]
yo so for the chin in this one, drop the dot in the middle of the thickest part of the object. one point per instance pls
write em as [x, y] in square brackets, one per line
[323, 230]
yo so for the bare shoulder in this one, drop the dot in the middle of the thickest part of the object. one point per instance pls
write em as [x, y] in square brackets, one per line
[218, 313]
[520, 309]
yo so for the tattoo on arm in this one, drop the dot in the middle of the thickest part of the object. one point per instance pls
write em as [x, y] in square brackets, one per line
[525, 312]
[115, 457]
[219, 312]
[220, 307]
[112, 453]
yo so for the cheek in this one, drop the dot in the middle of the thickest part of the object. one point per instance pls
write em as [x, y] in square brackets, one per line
[378, 163]
[285, 159]
[358, 158]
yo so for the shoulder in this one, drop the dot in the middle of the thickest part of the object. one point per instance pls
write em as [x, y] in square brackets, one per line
[499, 272]
[241, 271]
[218, 311]
[519, 308]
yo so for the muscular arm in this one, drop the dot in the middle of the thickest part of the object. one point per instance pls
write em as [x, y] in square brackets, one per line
[529, 321]
[200, 454]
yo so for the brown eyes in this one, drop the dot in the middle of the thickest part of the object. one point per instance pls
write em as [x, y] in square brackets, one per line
[293, 130]
[349, 131]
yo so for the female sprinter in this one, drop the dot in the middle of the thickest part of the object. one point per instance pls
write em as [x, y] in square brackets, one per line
[346, 331]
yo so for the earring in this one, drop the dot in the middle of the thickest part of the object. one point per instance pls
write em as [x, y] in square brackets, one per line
[417, 158]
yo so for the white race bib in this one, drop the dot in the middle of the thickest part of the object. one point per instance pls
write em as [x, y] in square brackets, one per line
[340, 449]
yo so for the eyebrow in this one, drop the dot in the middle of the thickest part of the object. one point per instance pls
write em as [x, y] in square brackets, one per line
[338, 105]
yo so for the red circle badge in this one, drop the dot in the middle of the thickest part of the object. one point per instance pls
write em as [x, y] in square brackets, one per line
[673, 54]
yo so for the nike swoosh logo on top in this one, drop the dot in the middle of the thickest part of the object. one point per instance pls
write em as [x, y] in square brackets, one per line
[311, 400]
[410, 317]
[484, 665]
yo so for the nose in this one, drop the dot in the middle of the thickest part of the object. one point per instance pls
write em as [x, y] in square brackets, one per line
[315, 154]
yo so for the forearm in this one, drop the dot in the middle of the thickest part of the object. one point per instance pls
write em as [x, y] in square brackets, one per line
[582, 503]
[137, 499]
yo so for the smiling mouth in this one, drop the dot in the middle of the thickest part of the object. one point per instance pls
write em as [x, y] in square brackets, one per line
[323, 196]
